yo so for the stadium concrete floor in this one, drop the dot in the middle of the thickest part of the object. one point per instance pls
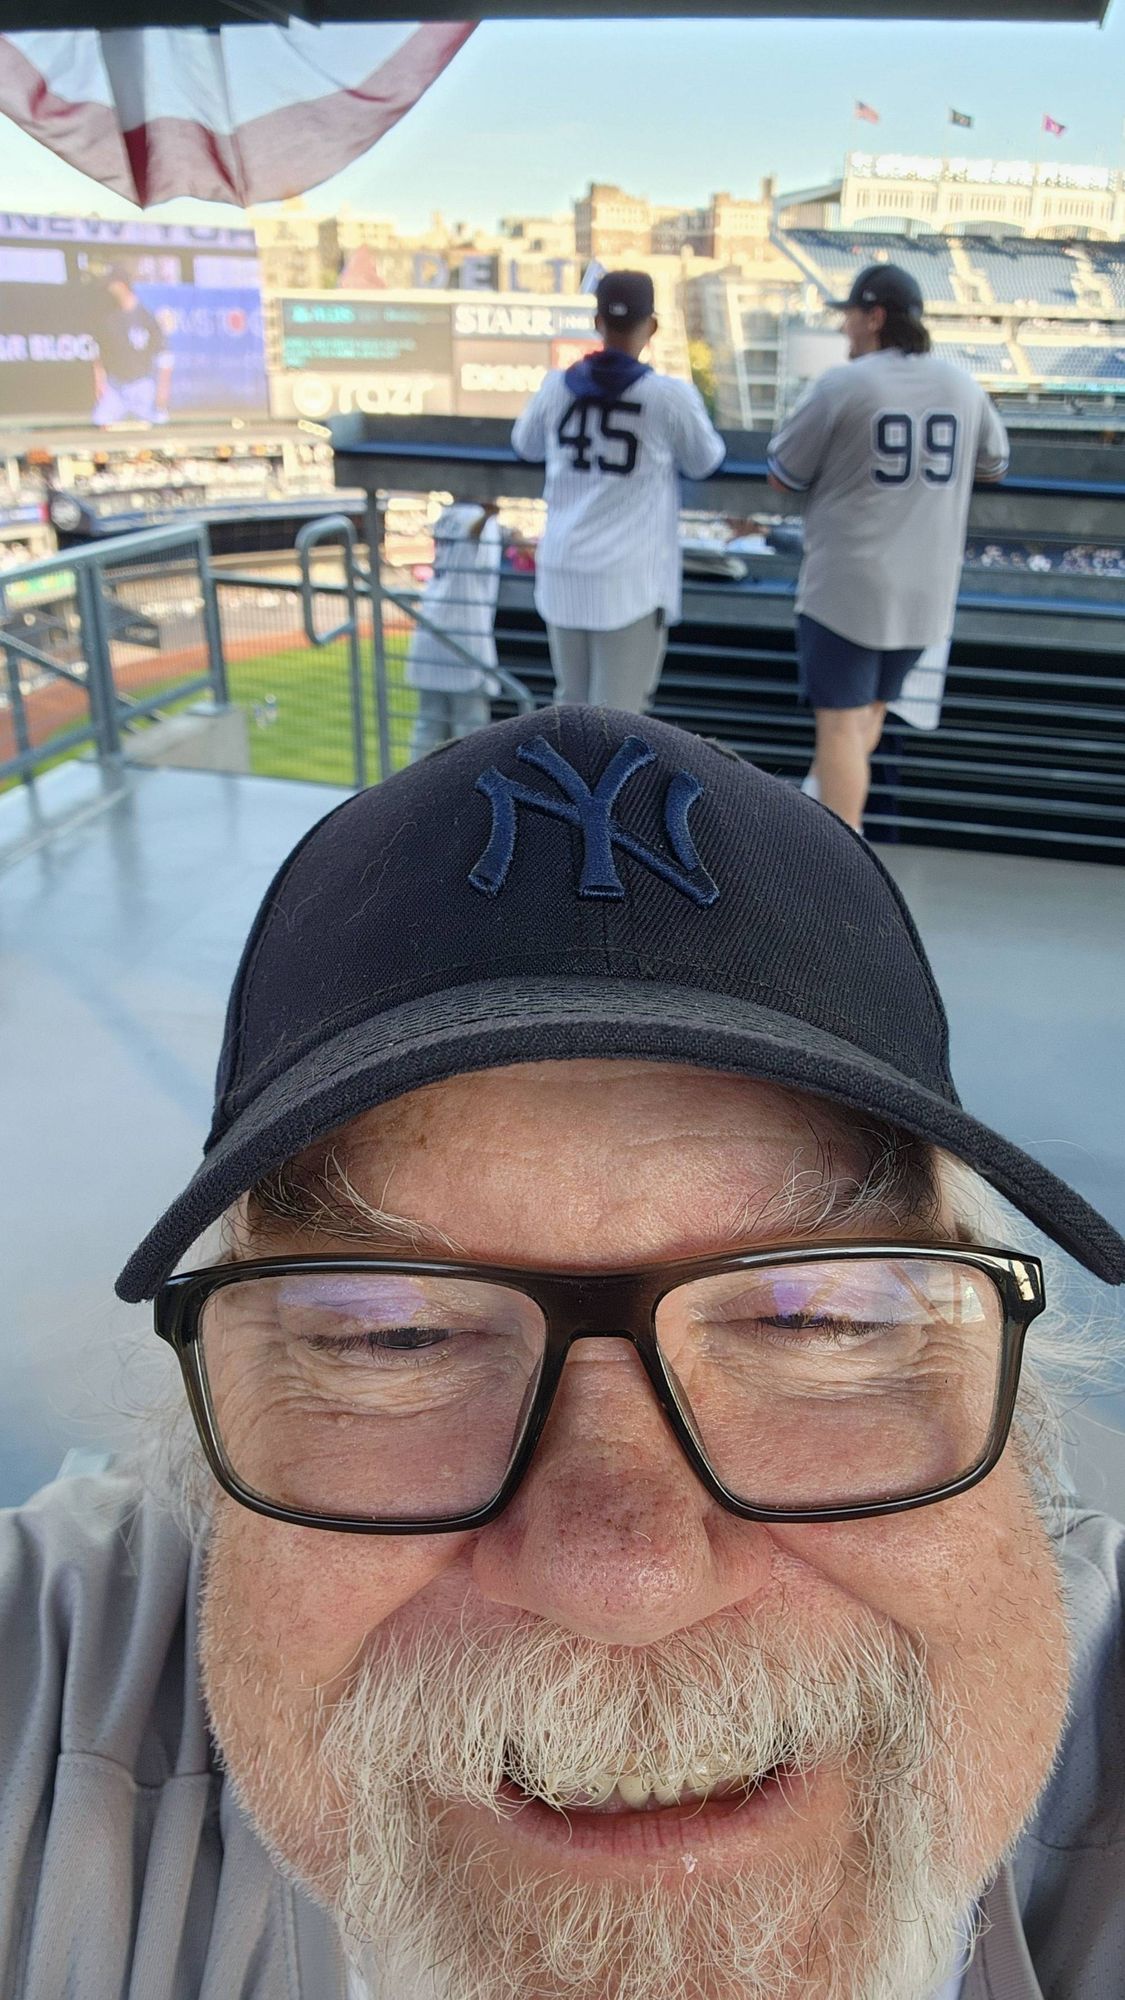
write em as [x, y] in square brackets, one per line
[123, 906]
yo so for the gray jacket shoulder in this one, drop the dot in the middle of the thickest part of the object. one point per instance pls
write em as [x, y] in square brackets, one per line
[94, 1595]
[126, 1866]
[97, 1723]
[1085, 1800]
[1069, 1867]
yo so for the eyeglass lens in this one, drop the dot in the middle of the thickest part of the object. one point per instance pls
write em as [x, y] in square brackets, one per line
[396, 1396]
[837, 1384]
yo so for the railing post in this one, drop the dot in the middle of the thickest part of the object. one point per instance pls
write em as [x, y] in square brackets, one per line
[19, 713]
[212, 623]
[309, 537]
[375, 524]
[99, 660]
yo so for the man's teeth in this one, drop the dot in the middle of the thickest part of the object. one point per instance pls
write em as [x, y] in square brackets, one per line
[641, 1788]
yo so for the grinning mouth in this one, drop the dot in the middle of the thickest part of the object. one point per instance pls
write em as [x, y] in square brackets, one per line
[609, 1792]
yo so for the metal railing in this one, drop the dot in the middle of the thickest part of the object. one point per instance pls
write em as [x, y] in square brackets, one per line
[98, 642]
[1029, 755]
[319, 649]
[327, 695]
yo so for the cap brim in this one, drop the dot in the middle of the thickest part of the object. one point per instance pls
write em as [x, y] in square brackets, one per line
[838, 305]
[493, 1023]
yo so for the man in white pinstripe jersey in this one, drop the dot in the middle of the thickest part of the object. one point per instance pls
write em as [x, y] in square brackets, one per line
[614, 437]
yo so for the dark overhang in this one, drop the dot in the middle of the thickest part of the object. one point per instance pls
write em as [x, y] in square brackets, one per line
[28, 14]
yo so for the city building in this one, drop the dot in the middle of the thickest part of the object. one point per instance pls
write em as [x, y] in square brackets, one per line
[730, 229]
[743, 323]
[297, 251]
[610, 225]
[539, 235]
[959, 196]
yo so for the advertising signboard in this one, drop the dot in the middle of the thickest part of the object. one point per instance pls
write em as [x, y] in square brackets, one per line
[319, 394]
[401, 355]
[564, 353]
[495, 378]
[503, 347]
[386, 336]
[522, 318]
[127, 322]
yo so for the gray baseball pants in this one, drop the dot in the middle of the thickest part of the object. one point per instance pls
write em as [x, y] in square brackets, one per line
[617, 669]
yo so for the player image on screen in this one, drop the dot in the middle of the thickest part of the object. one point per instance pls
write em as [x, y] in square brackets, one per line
[133, 372]
[614, 437]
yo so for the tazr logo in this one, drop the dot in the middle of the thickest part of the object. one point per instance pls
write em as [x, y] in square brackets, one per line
[592, 813]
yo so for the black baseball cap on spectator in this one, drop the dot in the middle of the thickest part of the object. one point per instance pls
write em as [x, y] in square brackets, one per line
[884, 285]
[579, 882]
[625, 298]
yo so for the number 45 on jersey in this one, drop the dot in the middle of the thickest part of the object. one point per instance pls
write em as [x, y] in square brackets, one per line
[592, 437]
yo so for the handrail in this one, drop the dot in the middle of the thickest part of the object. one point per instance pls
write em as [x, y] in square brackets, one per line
[731, 468]
[514, 687]
[110, 549]
[11, 644]
[244, 580]
[780, 587]
[109, 707]
[312, 535]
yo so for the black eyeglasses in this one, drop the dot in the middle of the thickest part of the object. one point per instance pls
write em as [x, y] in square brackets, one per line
[390, 1396]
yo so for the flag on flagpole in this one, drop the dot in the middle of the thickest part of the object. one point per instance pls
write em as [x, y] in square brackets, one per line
[959, 118]
[866, 111]
[1052, 125]
[244, 114]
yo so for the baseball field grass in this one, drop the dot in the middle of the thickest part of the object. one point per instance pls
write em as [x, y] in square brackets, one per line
[298, 703]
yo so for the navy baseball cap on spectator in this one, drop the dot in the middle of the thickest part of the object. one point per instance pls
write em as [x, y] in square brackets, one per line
[625, 298]
[579, 882]
[884, 285]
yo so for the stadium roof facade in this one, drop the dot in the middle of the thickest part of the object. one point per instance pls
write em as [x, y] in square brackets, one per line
[28, 14]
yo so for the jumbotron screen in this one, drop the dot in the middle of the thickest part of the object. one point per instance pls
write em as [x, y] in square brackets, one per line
[127, 322]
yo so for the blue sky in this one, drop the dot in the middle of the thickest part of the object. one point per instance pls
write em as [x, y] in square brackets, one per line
[530, 111]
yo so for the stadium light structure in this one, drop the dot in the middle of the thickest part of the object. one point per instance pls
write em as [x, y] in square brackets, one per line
[24, 15]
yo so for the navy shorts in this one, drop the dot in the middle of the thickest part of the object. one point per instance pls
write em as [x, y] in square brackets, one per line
[833, 672]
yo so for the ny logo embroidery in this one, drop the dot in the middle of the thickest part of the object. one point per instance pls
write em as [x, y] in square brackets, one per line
[592, 813]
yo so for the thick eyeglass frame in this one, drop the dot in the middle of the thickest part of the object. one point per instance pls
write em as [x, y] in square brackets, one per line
[615, 1305]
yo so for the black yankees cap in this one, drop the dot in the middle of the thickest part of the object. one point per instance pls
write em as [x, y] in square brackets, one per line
[884, 285]
[580, 882]
[625, 298]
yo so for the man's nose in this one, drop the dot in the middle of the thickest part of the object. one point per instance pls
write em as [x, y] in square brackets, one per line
[611, 1534]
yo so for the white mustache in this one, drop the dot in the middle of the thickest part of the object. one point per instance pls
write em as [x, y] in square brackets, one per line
[457, 1714]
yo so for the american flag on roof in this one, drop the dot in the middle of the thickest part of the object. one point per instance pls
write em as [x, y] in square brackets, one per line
[242, 114]
[866, 111]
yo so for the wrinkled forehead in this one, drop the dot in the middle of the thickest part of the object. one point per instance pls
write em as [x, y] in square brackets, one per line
[537, 1160]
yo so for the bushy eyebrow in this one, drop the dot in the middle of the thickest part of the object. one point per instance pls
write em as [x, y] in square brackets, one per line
[894, 1188]
[316, 1195]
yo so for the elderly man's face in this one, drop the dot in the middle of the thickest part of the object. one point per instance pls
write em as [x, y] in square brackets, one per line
[895, 1686]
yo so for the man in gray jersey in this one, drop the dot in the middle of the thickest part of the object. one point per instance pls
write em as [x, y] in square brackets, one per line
[887, 448]
[615, 437]
[603, 1571]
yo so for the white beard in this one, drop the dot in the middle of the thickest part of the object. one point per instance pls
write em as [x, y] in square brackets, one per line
[872, 1914]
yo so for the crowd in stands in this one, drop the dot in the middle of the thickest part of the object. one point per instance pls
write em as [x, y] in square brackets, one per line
[1080, 559]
